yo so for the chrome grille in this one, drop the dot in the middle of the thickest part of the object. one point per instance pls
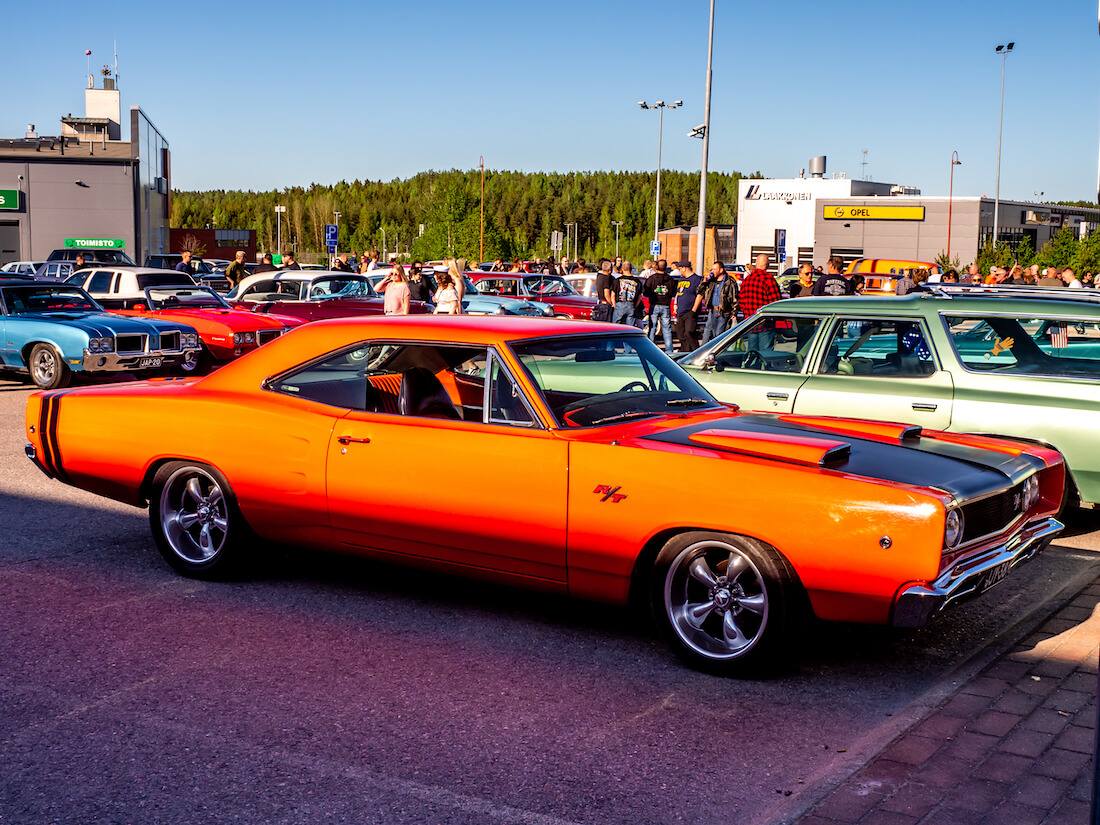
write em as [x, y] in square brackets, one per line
[993, 514]
[170, 341]
[265, 335]
[129, 344]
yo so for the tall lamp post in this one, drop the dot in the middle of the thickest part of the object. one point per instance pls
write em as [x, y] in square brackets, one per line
[1003, 52]
[951, 201]
[660, 104]
[336, 246]
[279, 210]
[616, 224]
[572, 226]
[700, 241]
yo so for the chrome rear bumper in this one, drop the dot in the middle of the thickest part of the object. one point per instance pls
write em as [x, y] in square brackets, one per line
[917, 604]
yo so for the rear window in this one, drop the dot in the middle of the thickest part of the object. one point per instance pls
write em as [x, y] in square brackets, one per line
[168, 278]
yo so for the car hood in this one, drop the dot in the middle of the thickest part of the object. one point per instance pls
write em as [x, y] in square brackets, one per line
[103, 324]
[881, 450]
[233, 320]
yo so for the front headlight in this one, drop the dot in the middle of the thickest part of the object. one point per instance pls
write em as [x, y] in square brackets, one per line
[500, 310]
[953, 528]
[101, 345]
[189, 340]
[1031, 491]
[249, 337]
[237, 339]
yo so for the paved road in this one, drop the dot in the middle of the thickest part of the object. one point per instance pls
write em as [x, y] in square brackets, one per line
[329, 689]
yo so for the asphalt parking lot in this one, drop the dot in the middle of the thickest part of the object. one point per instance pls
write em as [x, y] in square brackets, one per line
[333, 689]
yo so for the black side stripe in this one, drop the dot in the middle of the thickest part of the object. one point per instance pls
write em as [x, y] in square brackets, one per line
[51, 413]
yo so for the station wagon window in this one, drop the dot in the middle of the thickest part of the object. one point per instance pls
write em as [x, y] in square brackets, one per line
[100, 281]
[770, 344]
[417, 380]
[1058, 346]
[877, 347]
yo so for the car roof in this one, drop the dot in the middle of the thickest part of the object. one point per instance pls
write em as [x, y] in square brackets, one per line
[927, 302]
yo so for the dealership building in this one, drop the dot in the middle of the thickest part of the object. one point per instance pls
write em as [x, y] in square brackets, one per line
[86, 187]
[810, 219]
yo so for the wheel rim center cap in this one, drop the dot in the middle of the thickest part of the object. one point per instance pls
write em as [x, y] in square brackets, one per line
[722, 597]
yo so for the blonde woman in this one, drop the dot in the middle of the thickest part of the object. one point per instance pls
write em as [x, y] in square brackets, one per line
[395, 289]
[458, 280]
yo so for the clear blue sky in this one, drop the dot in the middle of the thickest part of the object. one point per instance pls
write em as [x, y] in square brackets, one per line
[268, 95]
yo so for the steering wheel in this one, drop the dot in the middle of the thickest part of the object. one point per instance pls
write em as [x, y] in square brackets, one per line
[634, 384]
[754, 361]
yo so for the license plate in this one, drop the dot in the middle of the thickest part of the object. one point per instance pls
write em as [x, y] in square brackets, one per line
[994, 575]
[147, 363]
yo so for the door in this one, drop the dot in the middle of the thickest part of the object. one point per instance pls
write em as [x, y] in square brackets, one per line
[881, 369]
[462, 481]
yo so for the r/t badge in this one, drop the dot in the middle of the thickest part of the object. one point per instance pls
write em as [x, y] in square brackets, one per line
[609, 492]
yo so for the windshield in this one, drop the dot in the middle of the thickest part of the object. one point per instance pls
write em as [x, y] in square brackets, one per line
[547, 285]
[343, 287]
[184, 297]
[589, 381]
[30, 299]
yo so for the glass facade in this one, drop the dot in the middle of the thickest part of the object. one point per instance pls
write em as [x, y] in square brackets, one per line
[150, 148]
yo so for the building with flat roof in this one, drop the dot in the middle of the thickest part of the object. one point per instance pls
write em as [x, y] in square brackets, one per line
[813, 219]
[86, 186]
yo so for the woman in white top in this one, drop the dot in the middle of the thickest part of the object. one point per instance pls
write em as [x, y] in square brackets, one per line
[446, 296]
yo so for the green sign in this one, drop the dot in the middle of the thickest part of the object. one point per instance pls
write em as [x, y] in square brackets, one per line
[9, 198]
[95, 243]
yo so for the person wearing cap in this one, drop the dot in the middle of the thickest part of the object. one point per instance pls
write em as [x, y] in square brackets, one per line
[235, 271]
[687, 303]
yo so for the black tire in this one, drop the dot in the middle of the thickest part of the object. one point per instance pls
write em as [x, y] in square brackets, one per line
[735, 625]
[196, 523]
[202, 363]
[48, 369]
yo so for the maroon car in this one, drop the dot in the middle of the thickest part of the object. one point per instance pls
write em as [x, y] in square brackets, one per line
[548, 289]
[312, 295]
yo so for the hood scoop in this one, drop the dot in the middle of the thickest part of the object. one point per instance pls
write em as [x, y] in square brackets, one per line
[798, 449]
[884, 431]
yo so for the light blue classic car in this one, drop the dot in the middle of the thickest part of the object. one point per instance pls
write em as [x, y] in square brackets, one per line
[52, 332]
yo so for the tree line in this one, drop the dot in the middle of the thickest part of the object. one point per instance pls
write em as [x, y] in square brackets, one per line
[439, 214]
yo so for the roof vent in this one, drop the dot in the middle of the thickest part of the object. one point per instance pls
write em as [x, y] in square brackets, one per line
[817, 167]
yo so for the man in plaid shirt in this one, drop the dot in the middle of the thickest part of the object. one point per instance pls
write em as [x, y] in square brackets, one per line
[759, 288]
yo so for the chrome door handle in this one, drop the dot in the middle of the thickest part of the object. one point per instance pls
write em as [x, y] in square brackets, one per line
[348, 439]
[925, 407]
[777, 396]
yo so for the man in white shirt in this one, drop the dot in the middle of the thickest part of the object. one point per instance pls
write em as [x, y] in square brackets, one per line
[1070, 278]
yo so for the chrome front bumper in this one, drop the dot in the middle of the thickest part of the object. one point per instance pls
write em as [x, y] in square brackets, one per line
[113, 362]
[917, 604]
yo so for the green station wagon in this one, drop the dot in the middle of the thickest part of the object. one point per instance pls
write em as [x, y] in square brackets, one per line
[1008, 363]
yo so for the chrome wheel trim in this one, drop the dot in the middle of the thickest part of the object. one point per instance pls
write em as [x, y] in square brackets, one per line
[716, 600]
[193, 515]
[190, 362]
[44, 366]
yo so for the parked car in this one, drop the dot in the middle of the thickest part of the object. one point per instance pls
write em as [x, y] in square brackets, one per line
[1021, 366]
[565, 301]
[204, 273]
[124, 287]
[225, 331]
[53, 332]
[92, 257]
[880, 275]
[549, 447]
[20, 268]
[55, 271]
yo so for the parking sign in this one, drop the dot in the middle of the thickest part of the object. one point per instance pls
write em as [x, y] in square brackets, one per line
[654, 247]
[330, 234]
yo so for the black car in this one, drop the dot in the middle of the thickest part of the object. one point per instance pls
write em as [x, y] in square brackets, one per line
[93, 257]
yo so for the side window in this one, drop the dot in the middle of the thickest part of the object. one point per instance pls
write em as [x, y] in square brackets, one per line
[868, 346]
[259, 288]
[100, 282]
[1046, 346]
[506, 402]
[771, 344]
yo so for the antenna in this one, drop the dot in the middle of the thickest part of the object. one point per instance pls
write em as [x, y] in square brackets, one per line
[116, 62]
[864, 164]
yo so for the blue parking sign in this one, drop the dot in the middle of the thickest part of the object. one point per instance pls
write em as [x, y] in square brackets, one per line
[330, 233]
[654, 247]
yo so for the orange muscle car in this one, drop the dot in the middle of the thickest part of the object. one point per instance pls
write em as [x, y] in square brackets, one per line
[608, 473]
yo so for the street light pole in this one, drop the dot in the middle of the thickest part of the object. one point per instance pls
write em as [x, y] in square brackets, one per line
[336, 246]
[951, 201]
[660, 104]
[1003, 52]
[616, 224]
[700, 241]
[279, 210]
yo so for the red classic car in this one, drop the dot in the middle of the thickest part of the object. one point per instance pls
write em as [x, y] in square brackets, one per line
[577, 433]
[312, 295]
[549, 289]
[226, 332]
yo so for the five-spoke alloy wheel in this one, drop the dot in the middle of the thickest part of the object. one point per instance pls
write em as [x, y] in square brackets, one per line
[724, 601]
[195, 520]
[48, 370]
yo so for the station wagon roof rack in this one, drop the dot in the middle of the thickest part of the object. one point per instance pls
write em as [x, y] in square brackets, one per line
[1083, 295]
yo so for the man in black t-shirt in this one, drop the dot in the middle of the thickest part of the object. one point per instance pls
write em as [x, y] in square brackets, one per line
[832, 282]
[687, 304]
[606, 288]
